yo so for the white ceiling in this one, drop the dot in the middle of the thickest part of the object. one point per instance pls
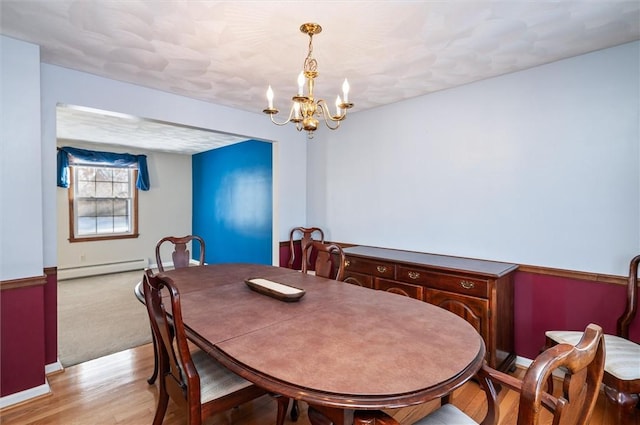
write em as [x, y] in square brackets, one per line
[227, 52]
[80, 125]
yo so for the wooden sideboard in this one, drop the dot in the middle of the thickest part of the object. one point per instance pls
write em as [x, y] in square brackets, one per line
[479, 291]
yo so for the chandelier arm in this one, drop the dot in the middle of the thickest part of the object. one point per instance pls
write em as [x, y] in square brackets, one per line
[328, 118]
[279, 123]
[284, 122]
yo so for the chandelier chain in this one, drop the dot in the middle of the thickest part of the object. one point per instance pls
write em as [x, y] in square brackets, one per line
[310, 64]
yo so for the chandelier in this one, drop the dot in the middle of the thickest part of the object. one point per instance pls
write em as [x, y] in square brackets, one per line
[306, 112]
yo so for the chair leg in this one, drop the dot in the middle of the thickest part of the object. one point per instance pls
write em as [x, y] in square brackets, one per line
[161, 409]
[624, 404]
[154, 375]
[283, 405]
[295, 411]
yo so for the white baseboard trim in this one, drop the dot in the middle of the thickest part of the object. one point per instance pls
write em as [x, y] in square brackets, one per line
[25, 395]
[523, 362]
[99, 269]
[169, 265]
[53, 367]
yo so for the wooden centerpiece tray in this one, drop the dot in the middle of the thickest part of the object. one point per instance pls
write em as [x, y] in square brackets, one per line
[276, 290]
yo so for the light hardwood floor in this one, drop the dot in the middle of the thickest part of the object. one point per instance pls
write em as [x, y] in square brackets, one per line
[113, 390]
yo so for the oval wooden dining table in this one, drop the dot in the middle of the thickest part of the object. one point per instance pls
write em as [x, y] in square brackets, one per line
[340, 347]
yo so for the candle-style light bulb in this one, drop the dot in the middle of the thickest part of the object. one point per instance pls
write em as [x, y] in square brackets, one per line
[270, 97]
[300, 83]
[345, 91]
[338, 103]
[296, 110]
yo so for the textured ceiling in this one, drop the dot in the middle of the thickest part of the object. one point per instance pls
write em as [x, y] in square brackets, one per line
[81, 125]
[228, 52]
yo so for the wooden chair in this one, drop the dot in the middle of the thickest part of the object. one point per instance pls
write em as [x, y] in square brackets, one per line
[180, 255]
[193, 380]
[181, 258]
[324, 266]
[622, 365]
[584, 363]
[306, 235]
[329, 260]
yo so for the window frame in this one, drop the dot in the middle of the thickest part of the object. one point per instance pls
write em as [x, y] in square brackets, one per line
[108, 236]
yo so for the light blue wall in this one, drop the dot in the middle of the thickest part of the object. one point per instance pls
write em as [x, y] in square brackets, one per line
[20, 150]
[535, 167]
[233, 203]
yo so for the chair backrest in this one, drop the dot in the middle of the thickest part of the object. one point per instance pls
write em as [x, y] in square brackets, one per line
[180, 255]
[632, 300]
[584, 364]
[177, 372]
[306, 235]
[329, 260]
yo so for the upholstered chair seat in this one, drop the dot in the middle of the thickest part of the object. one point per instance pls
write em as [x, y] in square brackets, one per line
[446, 415]
[622, 363]
[623, 356]
[216, 381]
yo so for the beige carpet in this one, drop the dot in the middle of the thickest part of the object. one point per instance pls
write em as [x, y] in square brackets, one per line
[100, 315]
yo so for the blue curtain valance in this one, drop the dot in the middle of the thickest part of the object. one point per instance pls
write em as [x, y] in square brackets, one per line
[122, 160]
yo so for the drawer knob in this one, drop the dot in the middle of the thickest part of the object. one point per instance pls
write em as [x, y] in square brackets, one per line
[414, 275]
[347, 263]
[466, 284]
[381, 269]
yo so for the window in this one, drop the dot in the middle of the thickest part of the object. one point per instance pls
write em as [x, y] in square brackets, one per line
[103, 203]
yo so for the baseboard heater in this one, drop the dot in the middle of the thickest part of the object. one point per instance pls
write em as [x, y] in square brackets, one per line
[98, 269]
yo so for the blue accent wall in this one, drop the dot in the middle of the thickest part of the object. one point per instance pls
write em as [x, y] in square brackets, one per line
[233, 202]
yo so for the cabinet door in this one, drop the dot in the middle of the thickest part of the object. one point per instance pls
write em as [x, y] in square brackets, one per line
[406, 289]
[473, 310]
[359, 279]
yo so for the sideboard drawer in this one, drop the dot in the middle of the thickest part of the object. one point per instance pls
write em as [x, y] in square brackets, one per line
[372, 267]
[458, 284]
[406, 289]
